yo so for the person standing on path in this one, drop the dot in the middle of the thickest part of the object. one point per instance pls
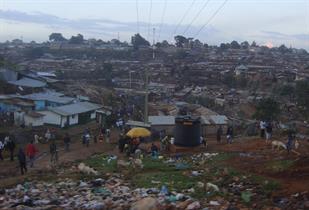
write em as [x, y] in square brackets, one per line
[229, 135]
[22, 161]
[289, 144]
[48, 135]
[31, 151]
[262, 128]
[1, 149]
[53, 152]
[67, 141]
[10, 145]
[269, 130]
[219, 134]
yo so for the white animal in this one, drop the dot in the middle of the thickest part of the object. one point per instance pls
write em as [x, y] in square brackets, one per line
[278, 144]
[86, 169]
[137, 163]
[296, 144]
[211, 186]
[121, 164]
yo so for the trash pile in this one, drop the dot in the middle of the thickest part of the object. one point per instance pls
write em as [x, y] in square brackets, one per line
[111, 193]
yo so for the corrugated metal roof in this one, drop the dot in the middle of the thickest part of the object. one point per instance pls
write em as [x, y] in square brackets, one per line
[162, 120]
[205, 121]
[49, 96]
[133, 123]
[218, 119]
[77, 108]
[27, 82]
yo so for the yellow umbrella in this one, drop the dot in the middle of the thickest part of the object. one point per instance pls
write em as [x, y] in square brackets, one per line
[138, 132]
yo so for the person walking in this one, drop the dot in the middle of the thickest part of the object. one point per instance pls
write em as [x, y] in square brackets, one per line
[262, 128]
[289, 144]
[1, 149]
[10, 145]
[154, 150]
[108, 133]
[48, 135]
[22, 161]
[229, 135]
[87, 139]
[31, 151]
[269, 130]
[219, 134]
[67, 141]
[53, 152]
[36, 138]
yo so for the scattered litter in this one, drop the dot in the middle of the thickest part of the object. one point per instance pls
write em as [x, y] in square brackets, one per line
[210, 186]
[246, 196]
[214, 203]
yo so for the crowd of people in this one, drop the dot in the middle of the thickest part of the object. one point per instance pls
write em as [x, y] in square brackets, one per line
[27, 155]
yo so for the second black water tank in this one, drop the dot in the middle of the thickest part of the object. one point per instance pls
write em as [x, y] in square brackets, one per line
[187, 131]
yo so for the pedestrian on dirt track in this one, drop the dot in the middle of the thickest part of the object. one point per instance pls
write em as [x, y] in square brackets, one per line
[22, 161]
[53, 152]
[67, 141]
[10, 145]
[269, 131]
[219, 134]
[229, 135]
[1, 149]
[262, 128]
[31, 152]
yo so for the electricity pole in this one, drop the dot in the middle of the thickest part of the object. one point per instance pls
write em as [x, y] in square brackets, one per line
[147, 79]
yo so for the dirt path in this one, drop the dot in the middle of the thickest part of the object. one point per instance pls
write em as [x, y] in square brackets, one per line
[10, 173]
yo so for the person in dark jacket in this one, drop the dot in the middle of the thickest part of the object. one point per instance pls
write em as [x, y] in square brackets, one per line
[1, 149]
[66, 141]
[154, 150]
[22, 161]
[53, 152]
[10, 145]
[229, 135]
[219, 134]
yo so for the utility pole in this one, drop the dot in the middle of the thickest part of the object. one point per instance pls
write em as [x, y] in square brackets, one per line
[147, 79]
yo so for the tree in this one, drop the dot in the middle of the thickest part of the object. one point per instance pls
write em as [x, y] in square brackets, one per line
[163, 44]
[137, 41]
[267, 109]
[79, 39]
[223, 46]
[245, 45]
[235, 45]
[56, 37]
[253, 44]
[283, 49]
[197, 44]
[181, 41]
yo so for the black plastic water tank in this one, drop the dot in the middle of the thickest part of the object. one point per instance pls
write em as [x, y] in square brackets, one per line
[187, 131]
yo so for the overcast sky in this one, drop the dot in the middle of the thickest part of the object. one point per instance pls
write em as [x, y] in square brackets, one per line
[266, 21]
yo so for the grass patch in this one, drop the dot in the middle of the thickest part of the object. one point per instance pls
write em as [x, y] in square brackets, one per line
[101, 163]
[279, 165]
[174, 180]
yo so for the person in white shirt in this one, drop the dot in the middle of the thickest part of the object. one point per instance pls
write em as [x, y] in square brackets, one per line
[1, 148]
[262, 128]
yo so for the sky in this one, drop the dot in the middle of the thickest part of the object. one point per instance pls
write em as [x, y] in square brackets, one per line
[268, 22]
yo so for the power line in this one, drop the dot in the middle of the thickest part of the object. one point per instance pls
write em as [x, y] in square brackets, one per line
[149, 19]
[183, 17]
[137, 16]
[196, 16]
[211, 18]
[162, 19]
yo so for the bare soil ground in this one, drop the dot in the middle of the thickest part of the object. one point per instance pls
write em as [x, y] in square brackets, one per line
[250, 156]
